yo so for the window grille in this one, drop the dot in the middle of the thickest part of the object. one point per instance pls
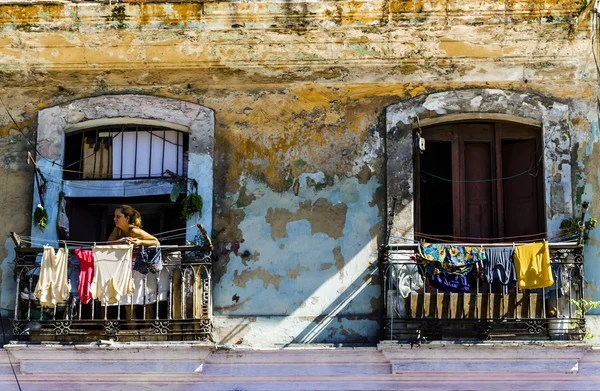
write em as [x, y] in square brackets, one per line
[125, 152]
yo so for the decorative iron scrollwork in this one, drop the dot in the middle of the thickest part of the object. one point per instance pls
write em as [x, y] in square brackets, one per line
[204, 332]
[111, 328]
[18, 328]
[536, 327]
[484, 330]
[161, 326]
[62, 327]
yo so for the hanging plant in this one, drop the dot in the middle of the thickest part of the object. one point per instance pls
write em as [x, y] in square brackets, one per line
[40, 217]
[176, 191]
[190, 205]
[570, 228]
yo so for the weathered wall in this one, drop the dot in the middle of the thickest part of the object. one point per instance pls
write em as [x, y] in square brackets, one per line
[299, 91]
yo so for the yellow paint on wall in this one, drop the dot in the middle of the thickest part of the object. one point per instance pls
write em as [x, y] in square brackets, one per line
[466, 49]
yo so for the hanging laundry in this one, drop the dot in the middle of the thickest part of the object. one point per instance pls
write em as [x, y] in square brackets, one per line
[449, 282]
[86, 274]
[407, 278]
[112, 272]
[532, 264]
[499, 266]
[458, 260]
[53, 284]
[145, 288]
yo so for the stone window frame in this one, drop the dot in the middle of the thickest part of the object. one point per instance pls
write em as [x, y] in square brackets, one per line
[55, 122]
[402, 118]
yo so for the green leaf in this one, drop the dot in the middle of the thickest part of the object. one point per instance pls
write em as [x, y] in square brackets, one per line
[175, 192]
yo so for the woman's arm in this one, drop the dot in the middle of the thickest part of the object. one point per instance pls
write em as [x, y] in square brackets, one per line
[139, 237]
[114, 236]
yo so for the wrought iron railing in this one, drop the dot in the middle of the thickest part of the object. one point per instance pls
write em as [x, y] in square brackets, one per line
[417, 312]
[175, 304]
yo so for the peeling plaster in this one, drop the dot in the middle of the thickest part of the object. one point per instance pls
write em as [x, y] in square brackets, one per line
[303, 280]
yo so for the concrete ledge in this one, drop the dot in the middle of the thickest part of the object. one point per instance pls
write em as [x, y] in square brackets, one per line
[493, 358]
[385, 367]
[109, 358]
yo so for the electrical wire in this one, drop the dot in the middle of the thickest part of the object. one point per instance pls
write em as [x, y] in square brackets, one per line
[476, 180]
[41, 241]
[516, 238]
[24, 135]
[594, 28]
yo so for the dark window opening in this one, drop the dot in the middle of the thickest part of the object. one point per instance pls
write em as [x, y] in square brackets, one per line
[436, 195]
[91, 219]
[480, 182]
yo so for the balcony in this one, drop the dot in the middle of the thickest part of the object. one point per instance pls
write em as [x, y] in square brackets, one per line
[418, 312]
[176, 304]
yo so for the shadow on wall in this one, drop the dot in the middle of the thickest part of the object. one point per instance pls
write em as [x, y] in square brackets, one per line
[302, 265]
[323, 327]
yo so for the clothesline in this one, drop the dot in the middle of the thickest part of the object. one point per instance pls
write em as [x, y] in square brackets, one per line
[531, 238]
[161, 235]
[452, 268]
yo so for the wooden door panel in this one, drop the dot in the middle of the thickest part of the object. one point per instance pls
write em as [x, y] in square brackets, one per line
[520, 194]
[477, 190]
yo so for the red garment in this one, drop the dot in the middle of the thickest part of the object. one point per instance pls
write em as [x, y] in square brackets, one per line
[86, 274]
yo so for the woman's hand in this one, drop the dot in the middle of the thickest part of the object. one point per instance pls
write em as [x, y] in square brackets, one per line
[134, 241]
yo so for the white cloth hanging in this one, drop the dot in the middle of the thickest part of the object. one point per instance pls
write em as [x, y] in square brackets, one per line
[112, 273]
[53, 284]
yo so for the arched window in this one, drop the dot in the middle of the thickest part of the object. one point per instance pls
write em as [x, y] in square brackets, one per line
[99, 152]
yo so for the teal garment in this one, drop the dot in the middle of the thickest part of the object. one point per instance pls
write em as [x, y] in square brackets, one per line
[458, 260]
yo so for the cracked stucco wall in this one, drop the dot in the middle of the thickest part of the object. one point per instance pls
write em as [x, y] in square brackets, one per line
[299, 92]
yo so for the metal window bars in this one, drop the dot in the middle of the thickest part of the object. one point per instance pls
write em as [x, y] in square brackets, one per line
[126, 152]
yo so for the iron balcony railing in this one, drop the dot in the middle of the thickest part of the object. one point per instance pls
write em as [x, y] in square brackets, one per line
[417, 312]
[175, 304]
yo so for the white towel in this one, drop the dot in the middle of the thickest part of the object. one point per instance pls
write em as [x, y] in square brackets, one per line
[112, 272]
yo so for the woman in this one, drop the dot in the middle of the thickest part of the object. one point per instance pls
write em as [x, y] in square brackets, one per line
[128, 228]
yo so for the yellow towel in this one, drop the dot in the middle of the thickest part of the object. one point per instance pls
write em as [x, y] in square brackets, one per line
[532, 262]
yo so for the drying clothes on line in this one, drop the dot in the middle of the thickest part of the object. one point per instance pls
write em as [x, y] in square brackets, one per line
[86, 274]
[407, 278]
[499, 266]
[453, 259]
[449, 282]
[53, 284]
[112, 272]
[146, 289]
[532, 264]
[562, 277]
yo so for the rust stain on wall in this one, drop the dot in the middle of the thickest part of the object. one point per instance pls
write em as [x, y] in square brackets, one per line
[322, 215]
[227, 238]
[176, 14]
